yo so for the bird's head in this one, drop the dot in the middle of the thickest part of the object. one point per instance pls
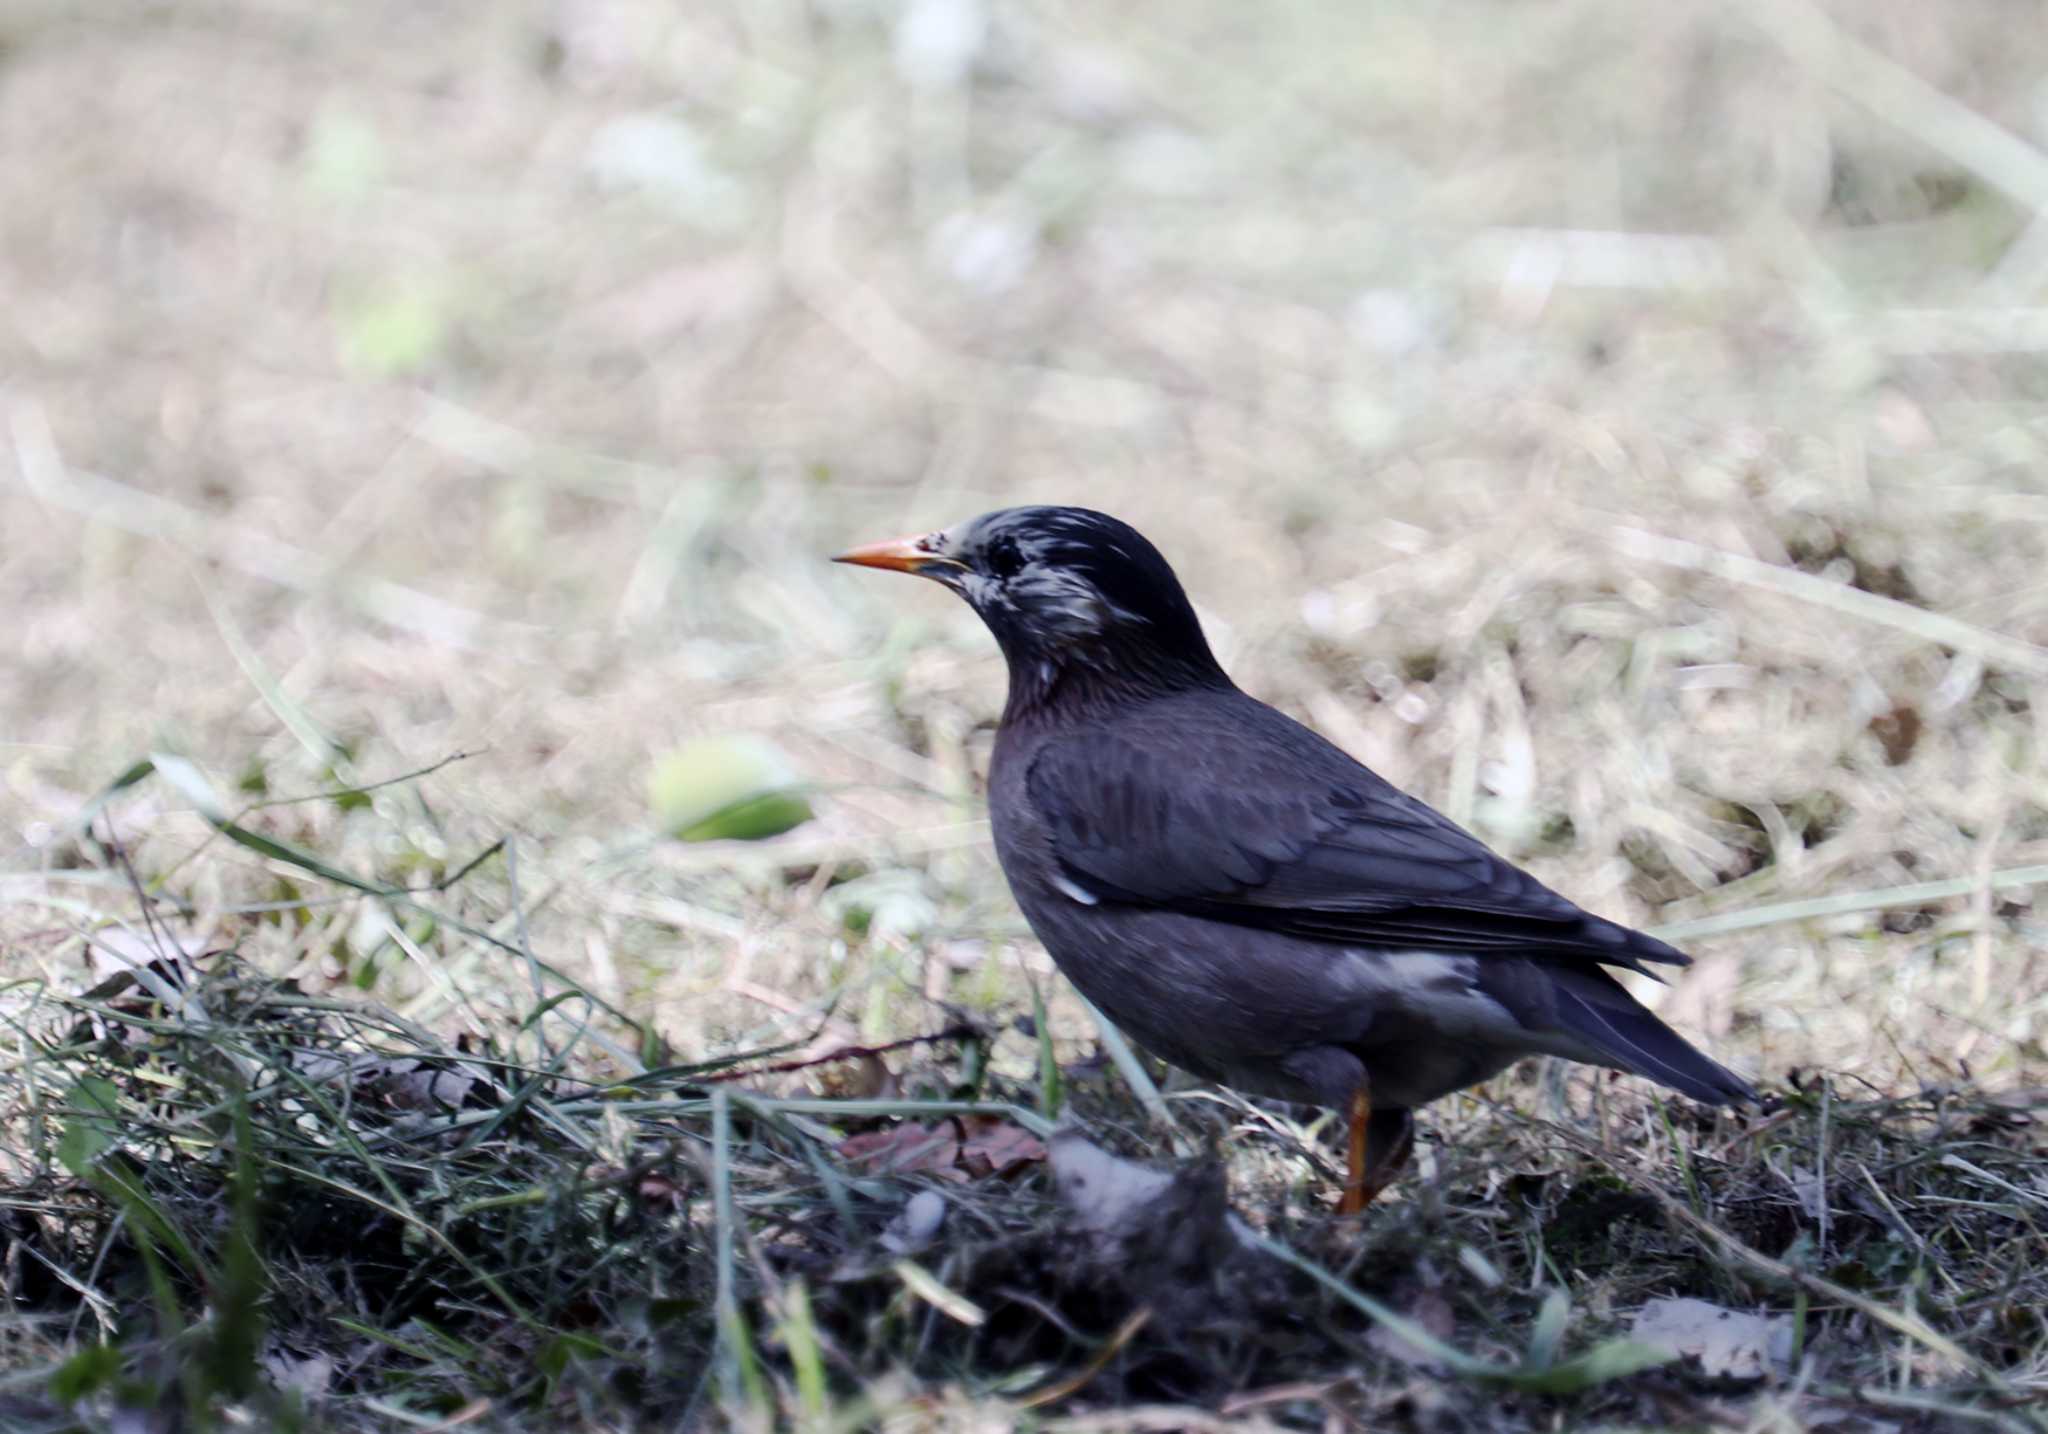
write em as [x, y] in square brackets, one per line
[1069, 594]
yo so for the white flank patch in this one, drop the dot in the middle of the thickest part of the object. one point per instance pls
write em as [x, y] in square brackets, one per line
[1078, 893]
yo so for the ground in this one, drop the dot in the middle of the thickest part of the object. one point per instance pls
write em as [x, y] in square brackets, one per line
[1620, 425]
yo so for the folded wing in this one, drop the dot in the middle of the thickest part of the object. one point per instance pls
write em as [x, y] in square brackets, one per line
[1244, 815]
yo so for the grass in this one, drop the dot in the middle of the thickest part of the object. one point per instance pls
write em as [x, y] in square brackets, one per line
[1619, 425]
[248, 1203]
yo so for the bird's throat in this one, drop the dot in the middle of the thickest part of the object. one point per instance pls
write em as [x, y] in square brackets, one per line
[1098, 677]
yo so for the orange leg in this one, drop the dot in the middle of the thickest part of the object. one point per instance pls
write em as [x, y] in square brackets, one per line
[1380, 1144]
[1356, 1194]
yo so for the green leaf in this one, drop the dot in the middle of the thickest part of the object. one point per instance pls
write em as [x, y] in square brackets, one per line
[231, 1355]
[559, 1353]
[1049, 1093]
[806, 1356]
[91, 1130]
[727, 788]
[157, 1234]
[1615, 1359]
[85, 1373]
[322, 747]
[1541, 1372]
[187, 778]
[1548, 1333]
[135, 773]
[184, 774]
[753, 819]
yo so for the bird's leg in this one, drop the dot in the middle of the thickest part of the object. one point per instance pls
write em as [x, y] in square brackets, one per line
[1391, 1140]
[1356, 1195]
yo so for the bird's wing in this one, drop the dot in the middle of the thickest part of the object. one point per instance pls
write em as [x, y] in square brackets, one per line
[1235, 812]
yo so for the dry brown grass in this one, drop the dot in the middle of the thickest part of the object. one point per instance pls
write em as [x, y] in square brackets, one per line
[1620, 425]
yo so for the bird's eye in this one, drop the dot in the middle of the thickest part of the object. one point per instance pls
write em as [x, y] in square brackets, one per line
[1003, 559]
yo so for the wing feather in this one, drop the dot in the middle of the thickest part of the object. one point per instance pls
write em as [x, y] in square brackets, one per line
[1233, 811]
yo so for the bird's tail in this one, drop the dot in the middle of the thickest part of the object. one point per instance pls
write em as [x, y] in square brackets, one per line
[1594, 1008]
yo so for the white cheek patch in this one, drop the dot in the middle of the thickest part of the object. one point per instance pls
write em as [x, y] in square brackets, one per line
[1075, 891]
[981, 591]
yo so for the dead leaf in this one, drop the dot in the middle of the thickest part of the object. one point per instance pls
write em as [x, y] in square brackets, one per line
[1727, 1344]
[901, 1148]
[977, 1148]
[408, 1084]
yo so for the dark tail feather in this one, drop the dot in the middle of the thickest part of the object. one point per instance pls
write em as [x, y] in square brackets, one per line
[1594, 1007]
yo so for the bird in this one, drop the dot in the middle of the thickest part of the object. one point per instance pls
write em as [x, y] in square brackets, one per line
[1236, 893]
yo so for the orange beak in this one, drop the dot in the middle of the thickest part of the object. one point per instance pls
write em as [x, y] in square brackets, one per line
[901, 555]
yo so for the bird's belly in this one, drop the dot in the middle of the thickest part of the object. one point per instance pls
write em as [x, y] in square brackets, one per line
[1242, 1006]
[1174, 993]
[1415, 1072]
[1252, 1009]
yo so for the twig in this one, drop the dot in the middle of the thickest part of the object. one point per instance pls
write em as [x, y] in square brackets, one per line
[1031, 1120]
[1932, 627]
[1074, 1383]
[851, 1053]
[359, 789]
[1916, 894]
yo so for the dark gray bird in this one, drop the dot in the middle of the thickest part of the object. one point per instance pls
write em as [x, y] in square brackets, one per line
[1237, 894]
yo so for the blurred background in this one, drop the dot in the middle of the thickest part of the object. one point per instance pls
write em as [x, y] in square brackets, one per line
[1619, 424]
